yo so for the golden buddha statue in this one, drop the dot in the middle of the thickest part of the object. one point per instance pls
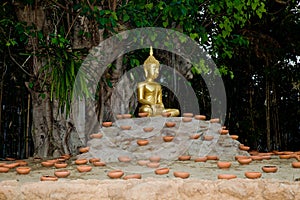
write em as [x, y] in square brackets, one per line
[150, 93]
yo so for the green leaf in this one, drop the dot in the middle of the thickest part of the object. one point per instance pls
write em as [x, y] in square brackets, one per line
[126, 18]
[165, 23]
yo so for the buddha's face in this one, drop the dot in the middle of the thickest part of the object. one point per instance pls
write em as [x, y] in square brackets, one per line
[152, 71]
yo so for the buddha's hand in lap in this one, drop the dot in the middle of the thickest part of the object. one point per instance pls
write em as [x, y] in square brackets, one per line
[157, 109]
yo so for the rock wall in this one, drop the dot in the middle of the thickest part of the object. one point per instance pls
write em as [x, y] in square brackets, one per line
[151, 189]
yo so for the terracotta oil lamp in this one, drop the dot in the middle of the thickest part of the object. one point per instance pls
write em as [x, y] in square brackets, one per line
[195, 136]
[187, 119]
[124, 158]
[62, 173]
[96, 135]
[142, 142]
[168, 138]
[201, 159]
[166, 114]
[208, 137]
[10, 159]
[226, 176]
[180, 174]
[212, 157]
[234, 137]
[47, 164]
[170, 124]
[187, 114]
[143, 114]
[81, 161]
[132, 176]
[184, 158]
[162, 171]
[99, 163]
[200, 117]
[115, 174]
[142, 162]
[240, 156]
[269, 169]
[11, 165]
[126, 116]
[84, 149]
[257, 158]
[223, 131]
[223, 165]
[91, 160]
[106, 124]
[124, 127]
[214, 120]
[60, 165]
[84, 168]
[253, 175]
[4, 169]
[244, 161]
[154, 158]
[148, 129]
[243, 147]
[21, 162]
[296, 164]
[153, 164]
[48, 178]
[119, 116]
[285, 156]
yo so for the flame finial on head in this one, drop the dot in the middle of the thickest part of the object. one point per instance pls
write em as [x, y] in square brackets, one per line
[151, 59]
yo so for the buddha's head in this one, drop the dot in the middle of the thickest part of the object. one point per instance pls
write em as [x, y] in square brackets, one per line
[151, 66]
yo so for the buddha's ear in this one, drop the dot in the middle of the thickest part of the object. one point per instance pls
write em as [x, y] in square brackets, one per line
[146, 71]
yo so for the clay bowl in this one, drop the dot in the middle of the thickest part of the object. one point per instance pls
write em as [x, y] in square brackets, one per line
[99, 164]
[66, 156]
[142, 142]
[170, 124]
[2, 163]
[234, 137]
[11, 165]
[142, 162]
[184, 158]
[166, 114]
[126, 116]
[60, 165]
[124, 127]
[132, 176]
[212, 157]
[200, 117]
[223, 165]
[115, 174]
[162, 171]
[214, 120]
[91, 160]
[47, 164]
[119, 116]
[187, 119]
[84, 168]
[244, 148]
[195, 136]
[226, 176]
[296, 164]
[179, 174]
[84, 149]
[240, 156]
[10, 159]
[208, 137]
[37, 159]
[253, 175]
[124, 159]
[153, 164]
[187, 114]
[256, 158]
[154, 158]
[81, 161]
[62, 173]
[106, 124]
[21, 162]
[53, 161]
[244, 161]
[48, 178]
[96, 135]
[269, 169]
[148, 129]
[4, 169]
[201, 159]
[143, 114]
[168, 138]
[61, 159]
[223, 131]
[285, 156]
